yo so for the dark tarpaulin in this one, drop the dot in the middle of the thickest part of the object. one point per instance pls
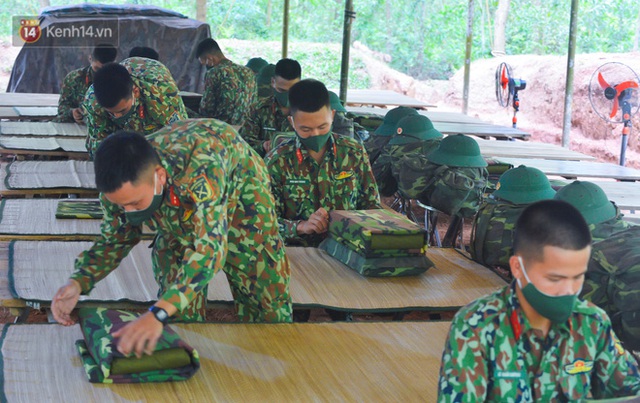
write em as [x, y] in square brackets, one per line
[41, 67]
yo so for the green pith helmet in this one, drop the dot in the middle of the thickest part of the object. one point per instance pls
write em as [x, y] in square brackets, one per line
[391, 119]
[335, 102]
[458, 151]
[256, 63]
[414, 128]
[589, 199]
[524, 185]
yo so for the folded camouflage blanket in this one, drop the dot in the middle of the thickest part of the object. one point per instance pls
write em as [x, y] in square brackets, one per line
[377, 233]
[172, 360]
[79, 209]
[377, 267]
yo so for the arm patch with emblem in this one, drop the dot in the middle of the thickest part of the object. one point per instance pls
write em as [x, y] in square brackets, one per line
[201, 189]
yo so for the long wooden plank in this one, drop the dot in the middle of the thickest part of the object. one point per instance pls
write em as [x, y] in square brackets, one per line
[382, 98]
[28, 99]
[392, 361]
[578, 169]
[529, 149]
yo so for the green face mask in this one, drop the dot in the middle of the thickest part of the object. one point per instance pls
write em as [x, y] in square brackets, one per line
[282, 98]
[124, 119]
[139, 216]
[555, 308]
[315, 143]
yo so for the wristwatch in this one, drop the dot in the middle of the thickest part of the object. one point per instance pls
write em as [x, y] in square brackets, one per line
[160, 314]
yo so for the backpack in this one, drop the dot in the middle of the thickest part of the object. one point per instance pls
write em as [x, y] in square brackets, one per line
[613, 283]
[492, 232]
[387, 168]
[455, 190]
[605, 229]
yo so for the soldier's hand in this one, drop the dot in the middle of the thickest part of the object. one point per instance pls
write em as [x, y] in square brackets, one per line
[318, 223]
[139, 336]
[64, 301]
[267, 145]
[78, 115]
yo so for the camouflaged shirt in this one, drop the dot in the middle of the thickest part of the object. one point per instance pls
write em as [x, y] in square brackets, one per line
[265, 120]
[74, 87]
[374, 146]
[230, 92]
[341, 181]
[483, 360]
[159, 103]
[217, 210]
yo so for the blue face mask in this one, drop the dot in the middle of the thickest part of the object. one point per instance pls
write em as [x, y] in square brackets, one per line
[137, 217]
[555, 308]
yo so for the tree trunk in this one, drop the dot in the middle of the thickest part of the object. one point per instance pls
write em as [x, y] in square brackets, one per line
[201, 10]
[388, 22]
[269, 10]
[636, 42]
[499, 41]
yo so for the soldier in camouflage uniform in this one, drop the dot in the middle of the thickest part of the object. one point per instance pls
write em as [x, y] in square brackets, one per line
[415, 135]
[270, 114]
[206, 193]
[534, 340]
[229, 89]
[317, 171]
[263, 81]
[139, 94]
[76, 83]
[382, 135]
[602, 215]
[256, 64]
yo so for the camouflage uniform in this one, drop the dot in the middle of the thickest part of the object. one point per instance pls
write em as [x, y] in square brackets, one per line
[341, 181]
[217, 214]
[74, 87]
[386, 168]
[172, 359]
[159, 103]
[493, 354]
[374, 146]
[229, 93]
[265, 120]
[606, 229]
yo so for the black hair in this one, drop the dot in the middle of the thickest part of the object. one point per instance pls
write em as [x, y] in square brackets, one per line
[144, 51]
[104, 53]
[111, 84]
[308, 95]
[122, 157]
[207, 46]
[549, 223]
[288, 69]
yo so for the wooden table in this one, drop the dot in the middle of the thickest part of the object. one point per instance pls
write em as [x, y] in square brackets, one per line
[342, 362]
[28, 99]
[434, 116]
[577, 169]
[382, 98]
[317, 280]
[625, 194]
[481, 130]
[28, 112]
[529, 149]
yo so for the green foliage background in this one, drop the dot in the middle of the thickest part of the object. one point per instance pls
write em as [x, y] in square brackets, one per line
[422, 38]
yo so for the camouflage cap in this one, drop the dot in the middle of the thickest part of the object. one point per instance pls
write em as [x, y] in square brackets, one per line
[391, 119]
[336, 104]
[523, 185]
[458, 151]
[265, 74]
[589, 199]
[414, 128]
[256, 63]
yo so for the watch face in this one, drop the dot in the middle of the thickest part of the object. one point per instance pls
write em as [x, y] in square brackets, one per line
[159, 313]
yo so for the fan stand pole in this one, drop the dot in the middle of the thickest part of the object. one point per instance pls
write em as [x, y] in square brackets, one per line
[626, 130]
[516, 108]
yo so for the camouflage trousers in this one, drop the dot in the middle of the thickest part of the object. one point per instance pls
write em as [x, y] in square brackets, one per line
[259, 282]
